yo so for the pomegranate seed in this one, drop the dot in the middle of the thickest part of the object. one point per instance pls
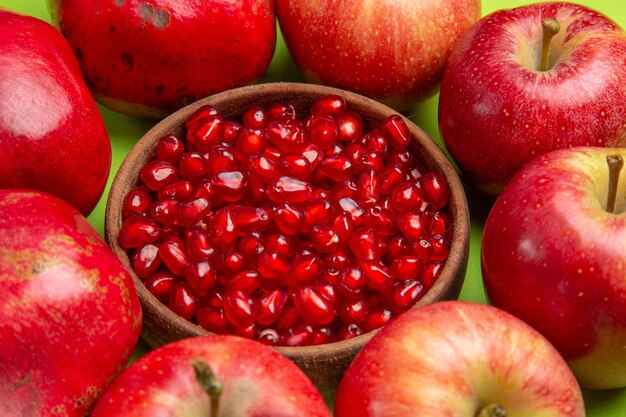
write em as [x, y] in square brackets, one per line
[328, 291]
[319, 211]
[406, 267]
[192, 211]
[213, 320]
[313, 307]
[280, 244]
[136, 201]
[183, 300]
[398, 246]
[376, 141]
[170, 148]
[305, 268]
[230, 186]
[349, 331]
[336, 167]
[392, 175]
[322, 335]
[264, 168]
[249, 219]
[440, 248]
[179, 190]
[157, 174]
[372, 160]
[323, 131]
[206, 111]
[288, 189]
[232, 263]
[200, 276]
[422, 249]
[411, 224]
[255, 117]
[250, 246]
[350, 126]
[368, 188]
[146, 260]
[175, 256]
[249, 142]
[344, 189]
[337, 260]
[272, 266]
[238, 309]
[376, 319]
[160, 284]
[353, 311]
[268, 337]
[287, 137]
[397, 131]
[405, 294]
[406, 196]
[436, 189]
[296, 166]
[205, 132]
[330, 104]
[380, 219]
[255, 194]
[199, 246]
[218, 160]
[313, 154]
[137, 231]
[355, 152]
[325, 239]
[289, 318]
[353, 208]
[278, 112]
[437, 223]
[377, 275]
[430, 273]
[288, 218]
[404, 159]
[231, 131]
[246, 281]
[351, 282]
[270, 307]
[223, 227]
[364, 244]
[164, 212]
[193, 166]
[330, 275]
[297, 336]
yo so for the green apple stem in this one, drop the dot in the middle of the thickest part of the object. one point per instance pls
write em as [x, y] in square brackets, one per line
[550, 28]
[493, 410]
[209, 383]
[616, 163]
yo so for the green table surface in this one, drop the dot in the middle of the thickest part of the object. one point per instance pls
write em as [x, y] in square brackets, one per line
[124, 132]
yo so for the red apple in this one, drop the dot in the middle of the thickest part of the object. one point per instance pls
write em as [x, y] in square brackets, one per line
[209, 377]
[69, 313]
[52, 137]
[458, 359]
[393, 51]
[554, 256]
[499, 109]
[149, 58]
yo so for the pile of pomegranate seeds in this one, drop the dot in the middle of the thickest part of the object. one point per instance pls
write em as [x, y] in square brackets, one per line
[291, 232]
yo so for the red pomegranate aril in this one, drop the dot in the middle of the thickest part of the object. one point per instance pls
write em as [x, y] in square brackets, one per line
[376, 141]
[255, 117]
[238, 309]
[398, 246]
[368, 188]
[364, 244]
[330, 275]
[380, 219]
[246, 281]
[313, 154]
[230, 186]
[423, 249]
[270, 307]
[352, 208]
[279, 243]
[231, 131]
[377, 275]
[287, 137]
[146, 260]
[297, 336]
[157, 174]
[232, 263]
[213, 320]
[351, 282]
[322, 336]
[343, 226]
[355, 152]
[206, 111]
[376, 319]
[430, 273]
[313, 307]
[406, 267]
[200, 276]
[325, 239]
[250, 332]
[264, 168]
[405, 294]
[249, 142]
[405, 160]
[179, 190]
[392, 175]
[137, 201]
[205, 132]
[249, 219]
[350, 126]
[335, 150]
[289, 319]
[223, 228]
[305, 268]
[255, 194]
[250, 246]
[199, 246]
[164, 212]
[174, 255]
[330, 104]
[214, 299]
[397, 131]
[337, 260]
[138, 230]
[160, 284]
[323, 130]
[437, 223]
[349, 331]
[296, 165]
[170, 148]
[353, 311]
[192, 166]
[336, 167]
[218, 160]
[288, 219]
[435, 189]
[289, 189]
[319, 211]
[268, 337]
[411, 225]
[183, 300]
[328, 291]
[344, 189]
[279, 112]
[192, 211]
[406, 196]
[272, 266]
[440, 248]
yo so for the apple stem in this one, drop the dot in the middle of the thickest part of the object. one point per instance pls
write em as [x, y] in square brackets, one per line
[550, 28]
[493, 410]
[616, 163]
[209, 383]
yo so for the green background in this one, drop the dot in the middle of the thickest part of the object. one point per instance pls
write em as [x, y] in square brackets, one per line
[124, 131]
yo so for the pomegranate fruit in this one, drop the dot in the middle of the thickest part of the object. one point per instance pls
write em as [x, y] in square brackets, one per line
[150, 57]
[69, 313]
[289, 232]
[52, 137]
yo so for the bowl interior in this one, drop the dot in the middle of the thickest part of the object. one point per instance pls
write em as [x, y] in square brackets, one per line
[324, 363]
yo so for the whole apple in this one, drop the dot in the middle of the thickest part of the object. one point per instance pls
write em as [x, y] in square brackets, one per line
[209, 377]
[52, 137]
[458, 359]
[499, 107]
[392, 51]
[553, 255]
[148, 58]
[69, 313]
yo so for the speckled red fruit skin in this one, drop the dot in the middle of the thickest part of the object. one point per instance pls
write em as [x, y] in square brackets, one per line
[151, 57]
[497, 112]
[257, 381]
[392, 51]
[52, 137]
[69, 313]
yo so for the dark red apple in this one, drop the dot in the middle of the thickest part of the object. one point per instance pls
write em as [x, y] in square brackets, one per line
[210, 377]
[151, 57]
[52, 137]
[69, 313]
[392, 51]
[500, 107]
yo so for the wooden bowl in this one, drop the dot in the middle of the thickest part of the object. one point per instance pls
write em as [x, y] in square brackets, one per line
[324, 364]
